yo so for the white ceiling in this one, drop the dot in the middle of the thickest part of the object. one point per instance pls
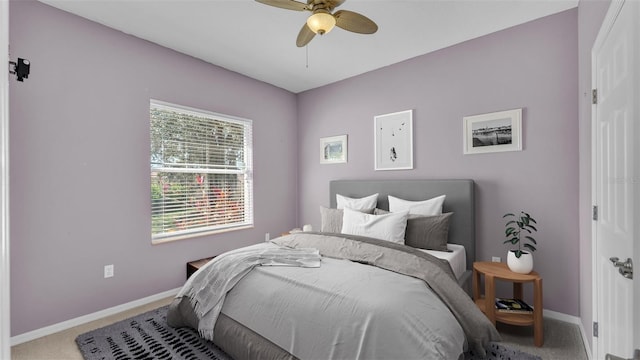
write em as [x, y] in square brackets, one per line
[259, 40]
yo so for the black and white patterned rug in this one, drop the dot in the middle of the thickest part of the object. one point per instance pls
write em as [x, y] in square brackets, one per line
[147, 336]
[498, 351]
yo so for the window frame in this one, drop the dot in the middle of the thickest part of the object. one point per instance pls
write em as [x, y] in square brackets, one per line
[248, 213]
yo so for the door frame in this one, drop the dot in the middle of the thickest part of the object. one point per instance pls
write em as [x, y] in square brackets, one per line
[612, 14]
[5, 329]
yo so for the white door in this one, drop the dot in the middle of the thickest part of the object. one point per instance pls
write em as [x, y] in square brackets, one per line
[616, 181]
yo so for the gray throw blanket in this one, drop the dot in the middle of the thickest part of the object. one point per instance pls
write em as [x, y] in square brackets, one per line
[208, 287]
[411, 262]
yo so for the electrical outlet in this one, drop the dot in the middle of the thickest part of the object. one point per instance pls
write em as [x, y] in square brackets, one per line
[108, 271]
[267, 237]
[496, 259]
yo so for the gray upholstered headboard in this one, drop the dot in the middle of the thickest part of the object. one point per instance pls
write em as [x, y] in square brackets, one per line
[459, 200]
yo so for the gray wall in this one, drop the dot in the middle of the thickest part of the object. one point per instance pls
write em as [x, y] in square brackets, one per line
[80, 163]
[532, 66]
[79, 145]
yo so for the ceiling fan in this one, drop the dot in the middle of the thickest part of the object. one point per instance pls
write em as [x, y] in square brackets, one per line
[322, 20]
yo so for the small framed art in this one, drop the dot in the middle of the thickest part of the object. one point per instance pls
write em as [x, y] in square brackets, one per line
[333, 150]
[394, 141]
[493, 132]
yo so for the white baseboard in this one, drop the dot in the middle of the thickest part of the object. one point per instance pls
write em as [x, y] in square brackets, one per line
[48, 330]
[561, 316]
[572, 320]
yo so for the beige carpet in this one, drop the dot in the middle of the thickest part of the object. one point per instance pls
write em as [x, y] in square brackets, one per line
[62, 345]
[561, 340]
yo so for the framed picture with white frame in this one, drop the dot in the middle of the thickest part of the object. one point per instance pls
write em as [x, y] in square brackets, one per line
[333, 150]
[394, 141]
[493, 132]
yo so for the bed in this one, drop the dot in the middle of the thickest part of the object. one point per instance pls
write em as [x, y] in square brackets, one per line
[367, 299]
[460, 200]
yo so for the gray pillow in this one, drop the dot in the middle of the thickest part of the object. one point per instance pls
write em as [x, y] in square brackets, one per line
[331, 219]
[426, 232]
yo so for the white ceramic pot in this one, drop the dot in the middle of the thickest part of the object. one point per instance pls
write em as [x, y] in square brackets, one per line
[522, 265]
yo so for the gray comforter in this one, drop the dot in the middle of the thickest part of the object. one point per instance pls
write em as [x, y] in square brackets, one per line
[349, 310]
[207, 289]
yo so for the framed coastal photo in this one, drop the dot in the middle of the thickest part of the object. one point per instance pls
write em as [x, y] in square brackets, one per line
[333, 150]
[493, 132]
[394, 141]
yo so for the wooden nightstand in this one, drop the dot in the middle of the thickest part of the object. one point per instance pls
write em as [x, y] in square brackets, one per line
[486, 302]
[193, 266]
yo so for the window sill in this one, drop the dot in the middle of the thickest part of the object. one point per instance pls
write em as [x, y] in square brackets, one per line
[169, 239]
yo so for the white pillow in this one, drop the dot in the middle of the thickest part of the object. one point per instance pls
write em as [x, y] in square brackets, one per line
[390, 227]
[429, 207]
[365, 203]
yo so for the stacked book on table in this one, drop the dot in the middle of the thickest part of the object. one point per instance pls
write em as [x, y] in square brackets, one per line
[513, 306]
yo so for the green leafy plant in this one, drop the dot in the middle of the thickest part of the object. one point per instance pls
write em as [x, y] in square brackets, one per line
[516, 230]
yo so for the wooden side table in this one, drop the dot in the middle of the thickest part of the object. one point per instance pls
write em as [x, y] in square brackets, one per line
[193, 266]
[486, 302]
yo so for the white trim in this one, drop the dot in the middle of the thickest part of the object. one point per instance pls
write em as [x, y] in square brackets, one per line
[52, 329]
[561, 316]
[5, 310]
[572, 320]
[585, 340]
[603, 33]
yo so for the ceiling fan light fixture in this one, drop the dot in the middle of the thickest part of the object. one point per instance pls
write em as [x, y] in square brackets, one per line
[321, 22]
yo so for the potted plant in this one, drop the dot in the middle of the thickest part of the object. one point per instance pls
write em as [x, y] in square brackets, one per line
[517, 230]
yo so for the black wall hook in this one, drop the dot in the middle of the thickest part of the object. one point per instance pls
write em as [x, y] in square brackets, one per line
[20, 69]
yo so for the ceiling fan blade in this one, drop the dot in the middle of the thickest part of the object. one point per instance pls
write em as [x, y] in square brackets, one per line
[335, 3]
[286, 4]
[305, 36]
[352, 21]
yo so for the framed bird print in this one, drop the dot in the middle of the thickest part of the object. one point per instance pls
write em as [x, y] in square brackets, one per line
[394, 141]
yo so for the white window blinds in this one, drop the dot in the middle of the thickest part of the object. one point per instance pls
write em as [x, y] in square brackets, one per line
[201, 172]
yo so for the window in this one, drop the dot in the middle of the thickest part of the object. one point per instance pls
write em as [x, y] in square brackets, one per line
[201, 172]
